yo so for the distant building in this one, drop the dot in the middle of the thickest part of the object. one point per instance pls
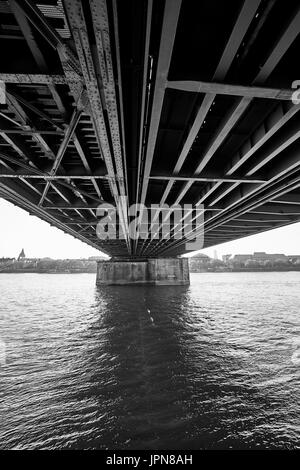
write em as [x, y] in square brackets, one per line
[262, 256]
[259, 258]
[226, 258]
[48, 265]
[6, 260]
[6, 263]
[294, 259]
[199, 262]
[240, 259]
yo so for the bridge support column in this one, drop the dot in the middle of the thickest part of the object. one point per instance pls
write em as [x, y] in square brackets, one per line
[158, 271]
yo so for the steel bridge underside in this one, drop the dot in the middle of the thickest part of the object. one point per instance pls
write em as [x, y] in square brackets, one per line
[162, 101]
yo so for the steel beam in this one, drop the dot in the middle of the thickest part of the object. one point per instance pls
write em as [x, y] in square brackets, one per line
[278, 51]
[102, 35]
[35, 79]
[34, 109]
[30, 131]
[62, 149]
[92, 73]
[51, 177]
[275, 207]
[171, 15]
[43, 175]
[240, 28]
[205, 178]
[280, 48]
[35, 51]
[15, 197]
[145, 96]
[40, 22]
[231, 90]
[258, 203]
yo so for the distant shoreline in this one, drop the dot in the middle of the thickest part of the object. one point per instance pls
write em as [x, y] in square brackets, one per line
[47, 272]
[253, 270]
[219, 271]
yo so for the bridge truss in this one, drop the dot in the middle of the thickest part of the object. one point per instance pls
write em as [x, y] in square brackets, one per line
[161, 101]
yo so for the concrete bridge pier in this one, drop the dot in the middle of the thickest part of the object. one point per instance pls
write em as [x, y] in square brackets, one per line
[152, 271]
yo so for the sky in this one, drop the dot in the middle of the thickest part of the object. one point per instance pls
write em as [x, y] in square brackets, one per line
[20, 230]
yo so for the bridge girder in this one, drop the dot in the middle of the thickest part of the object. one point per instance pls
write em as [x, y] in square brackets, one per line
[162, 101]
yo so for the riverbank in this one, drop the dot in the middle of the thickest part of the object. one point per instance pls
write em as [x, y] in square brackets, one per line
[10, 271]
[249, 270]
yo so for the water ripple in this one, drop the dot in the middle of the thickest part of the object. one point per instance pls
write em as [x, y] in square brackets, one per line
[214, 365]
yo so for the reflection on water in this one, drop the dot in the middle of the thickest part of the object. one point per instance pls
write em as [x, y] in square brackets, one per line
[213, 365]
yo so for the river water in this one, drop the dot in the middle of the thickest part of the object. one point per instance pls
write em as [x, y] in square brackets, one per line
[211, 366]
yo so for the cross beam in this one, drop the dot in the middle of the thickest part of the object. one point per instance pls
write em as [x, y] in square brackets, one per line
[231, 90]
[37, 79]
[205, 178]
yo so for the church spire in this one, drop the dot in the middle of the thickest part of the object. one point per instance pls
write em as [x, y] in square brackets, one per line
[21, 255]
